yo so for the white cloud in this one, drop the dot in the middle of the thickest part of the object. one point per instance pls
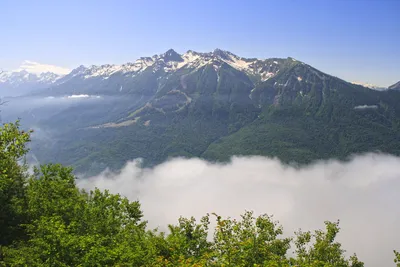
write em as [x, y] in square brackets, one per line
[78, 96]
[37, 68]
[362, 193]
[366, 107]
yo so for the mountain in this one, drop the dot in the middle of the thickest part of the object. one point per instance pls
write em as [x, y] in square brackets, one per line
[371, 86]
[212, 105]
[128, 78]
[18, 83]
[395, 86]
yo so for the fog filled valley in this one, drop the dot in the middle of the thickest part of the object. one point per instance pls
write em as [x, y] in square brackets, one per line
[360, 191]
[67, 226]
[200, 133]
[55, 119]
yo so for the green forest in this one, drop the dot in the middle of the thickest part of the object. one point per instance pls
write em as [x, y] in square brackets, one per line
[46, 220]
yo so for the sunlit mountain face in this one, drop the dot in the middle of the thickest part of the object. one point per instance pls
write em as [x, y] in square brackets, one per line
[212, 105]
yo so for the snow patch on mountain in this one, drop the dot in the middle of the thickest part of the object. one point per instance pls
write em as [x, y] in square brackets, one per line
[32, 73]
[366, 107]
[107, 70]
[172, 61]
[15, 78]
[395, 86]
[238, 63]
[371, 86]
[169, 62]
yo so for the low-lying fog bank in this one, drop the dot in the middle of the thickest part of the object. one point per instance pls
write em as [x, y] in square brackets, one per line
[362, 193]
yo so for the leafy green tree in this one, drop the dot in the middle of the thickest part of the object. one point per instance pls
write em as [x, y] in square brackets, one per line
[397, 258]
[186, 243]
[250, 242]
[12, 179]
[69, 227]
[325, 251]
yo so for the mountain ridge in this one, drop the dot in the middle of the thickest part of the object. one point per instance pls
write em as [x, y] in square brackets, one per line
[371, 86]
[16, 83]
[170, 61]
[213, 105]
[395, 86]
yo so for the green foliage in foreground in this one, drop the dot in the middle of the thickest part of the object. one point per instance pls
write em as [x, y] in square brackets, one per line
[397, 259]
[46, 220]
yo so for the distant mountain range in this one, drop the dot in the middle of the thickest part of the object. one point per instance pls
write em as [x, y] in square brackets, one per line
[212, 105]
[372, 86]
[18, 83]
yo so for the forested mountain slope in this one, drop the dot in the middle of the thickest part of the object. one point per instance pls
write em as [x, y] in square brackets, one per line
[213, 105]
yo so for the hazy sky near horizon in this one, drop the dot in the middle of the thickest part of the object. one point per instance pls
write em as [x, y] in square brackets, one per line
[354, 40]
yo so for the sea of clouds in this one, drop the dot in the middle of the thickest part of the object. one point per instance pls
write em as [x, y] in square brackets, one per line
[363, 193]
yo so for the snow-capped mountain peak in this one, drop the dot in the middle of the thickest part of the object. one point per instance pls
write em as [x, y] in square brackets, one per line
[395, 86]
[371, 86]
[40, 75]
[171, 61]
[43, 75]
[79, 70]
[48, 77]
[171, 55]
[223, 54]
[29, 76]
[14, 77]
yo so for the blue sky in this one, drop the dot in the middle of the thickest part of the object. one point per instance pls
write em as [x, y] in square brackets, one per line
[352, 39]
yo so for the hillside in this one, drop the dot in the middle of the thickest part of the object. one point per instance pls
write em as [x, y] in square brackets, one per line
[213, 105]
